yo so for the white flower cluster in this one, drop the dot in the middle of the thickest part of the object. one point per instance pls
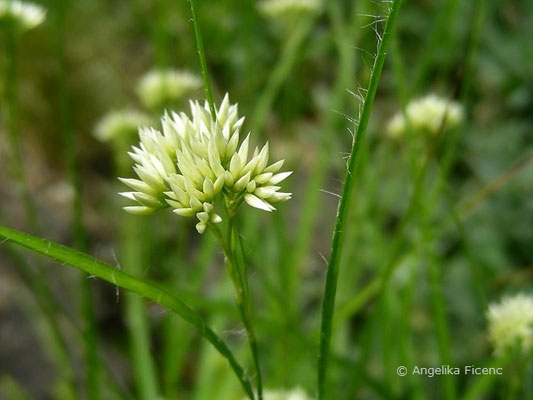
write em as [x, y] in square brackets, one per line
[426, 115]
[295, 394]
[275, 9]
[194, 160]
[120, 124]
[511, 324]
[25, 15]
[158, 88]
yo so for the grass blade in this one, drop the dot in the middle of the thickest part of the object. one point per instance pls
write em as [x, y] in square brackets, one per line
[149, 290]
[342, 213]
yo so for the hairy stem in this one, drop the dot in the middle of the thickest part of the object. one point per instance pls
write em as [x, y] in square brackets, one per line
[342, 213]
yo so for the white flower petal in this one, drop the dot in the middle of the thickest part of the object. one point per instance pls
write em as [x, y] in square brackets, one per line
[256, 202]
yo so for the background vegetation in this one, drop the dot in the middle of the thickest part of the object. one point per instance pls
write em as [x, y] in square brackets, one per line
[437, 228]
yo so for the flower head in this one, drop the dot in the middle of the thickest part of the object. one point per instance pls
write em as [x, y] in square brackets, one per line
[426, 114]
[195, 160]
[119, 124]
[295, 394]
[511, 324]
[158, 88]
[25, 15]
[283, 9]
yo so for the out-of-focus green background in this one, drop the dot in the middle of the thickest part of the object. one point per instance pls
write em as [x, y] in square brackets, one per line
[295, 83]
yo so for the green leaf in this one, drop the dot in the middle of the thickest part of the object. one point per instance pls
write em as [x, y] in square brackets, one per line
[328, 302]
[144, 288]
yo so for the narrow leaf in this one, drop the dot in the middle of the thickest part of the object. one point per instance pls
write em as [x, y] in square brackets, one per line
[149, 290]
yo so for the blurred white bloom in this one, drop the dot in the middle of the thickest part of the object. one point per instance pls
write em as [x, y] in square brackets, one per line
[283, 9]
[194, 160]
[158, 88]
[295, 394]
[426, 114]
[511, 324]
[26, 15]
[117, 124]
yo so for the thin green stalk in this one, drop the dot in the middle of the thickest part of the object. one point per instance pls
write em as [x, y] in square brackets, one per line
[328, 304]
[80, 240]
[201, 56]
[159, 34]
[233, 254]
[144, 288]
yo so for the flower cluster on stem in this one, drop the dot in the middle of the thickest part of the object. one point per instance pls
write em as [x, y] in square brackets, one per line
[193, 161]
[25, 15]
[511, 324]
[425, 115]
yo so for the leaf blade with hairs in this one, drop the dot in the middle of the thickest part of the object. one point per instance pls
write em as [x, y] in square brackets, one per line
[149, 290]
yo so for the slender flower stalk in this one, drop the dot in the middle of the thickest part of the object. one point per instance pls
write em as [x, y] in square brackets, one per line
[328, 304]
[192, 163]
[201, 56]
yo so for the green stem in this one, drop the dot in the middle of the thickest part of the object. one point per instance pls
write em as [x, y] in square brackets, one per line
[342, 213]
[233, 253]
[201, 56]
[159, 34]
[144, 288]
